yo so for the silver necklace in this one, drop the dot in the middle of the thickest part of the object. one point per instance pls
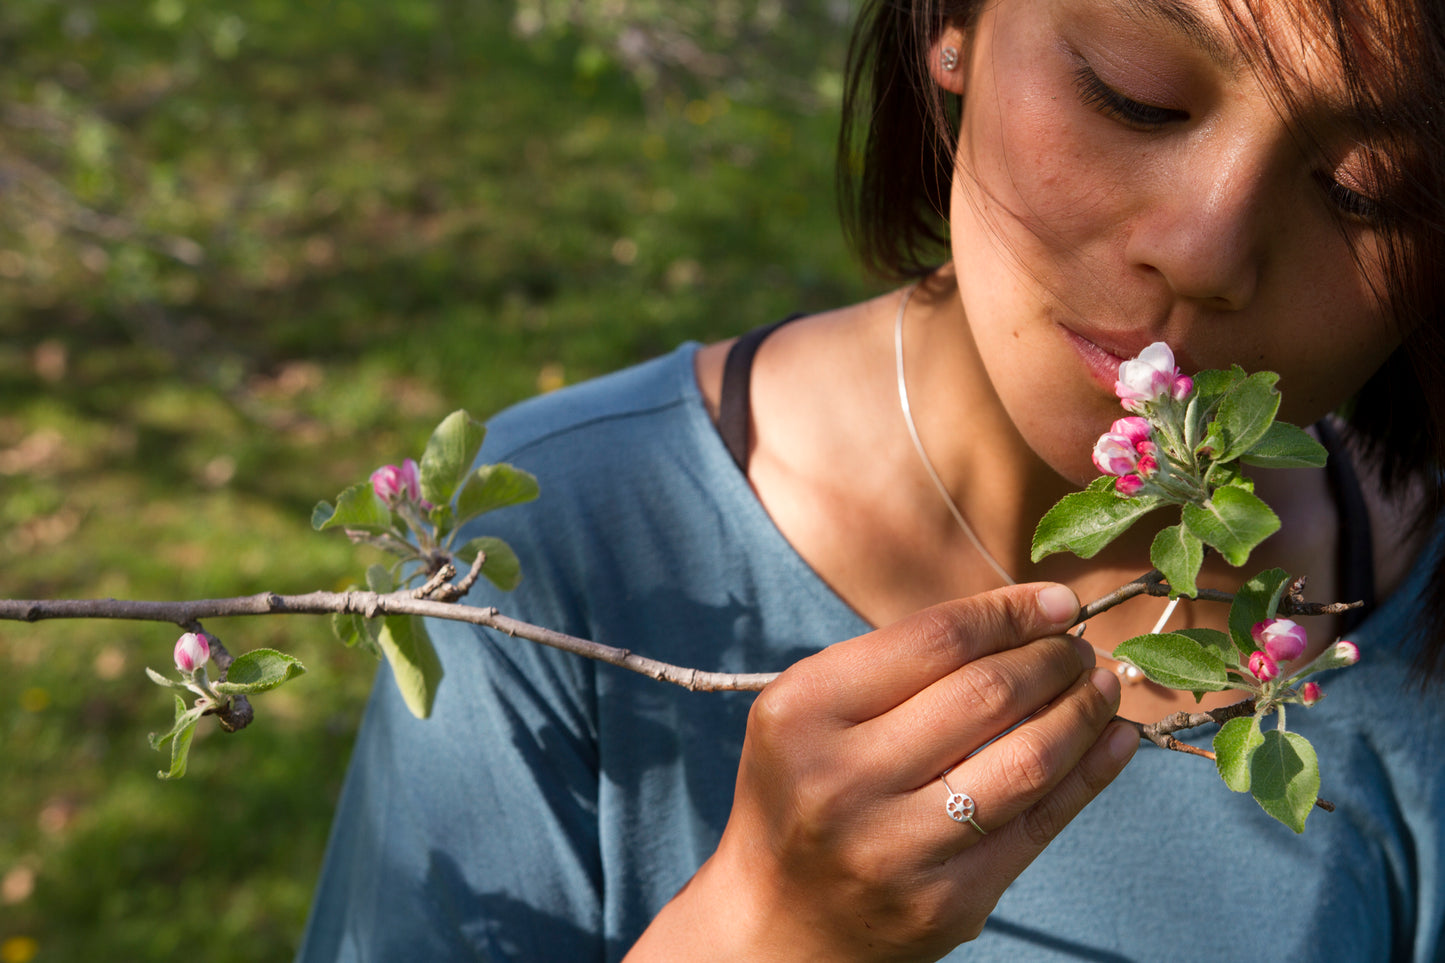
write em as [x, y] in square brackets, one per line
[1127, 673]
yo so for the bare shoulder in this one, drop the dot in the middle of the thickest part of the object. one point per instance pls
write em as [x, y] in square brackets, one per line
[803, 337]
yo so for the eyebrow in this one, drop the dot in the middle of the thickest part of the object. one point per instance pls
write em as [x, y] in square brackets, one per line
[1186, 18]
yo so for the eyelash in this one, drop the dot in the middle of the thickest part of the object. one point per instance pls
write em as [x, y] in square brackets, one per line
[1093, 92]
[1352, 204]
[1096, 94]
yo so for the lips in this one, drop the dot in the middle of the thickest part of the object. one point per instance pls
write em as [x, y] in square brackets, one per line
[1101, 363]
[1102, 354]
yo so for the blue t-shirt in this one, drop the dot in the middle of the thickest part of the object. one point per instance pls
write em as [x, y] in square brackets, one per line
[552, 805]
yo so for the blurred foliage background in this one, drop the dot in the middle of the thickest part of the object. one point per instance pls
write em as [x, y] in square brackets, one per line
[251, 249]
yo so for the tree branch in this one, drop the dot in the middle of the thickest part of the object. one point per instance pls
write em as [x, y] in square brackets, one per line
[1161, 733]
[441, 606]
[1152, 583]
[371, 604]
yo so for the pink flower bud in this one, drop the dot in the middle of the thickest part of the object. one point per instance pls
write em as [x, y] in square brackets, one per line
[1263, 667]
[1128, 485]
[1151, 376]
[1310, 693]
[411, 480]
[386, 482]
[1134, 428]
[1148, 465]
[1346, 653]
[192, 651]
[1284, 640]
[393, 484]
[1115, 454]
[1183, 386]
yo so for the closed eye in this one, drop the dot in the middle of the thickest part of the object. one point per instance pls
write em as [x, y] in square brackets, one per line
[1352, 204]
[1096, 94]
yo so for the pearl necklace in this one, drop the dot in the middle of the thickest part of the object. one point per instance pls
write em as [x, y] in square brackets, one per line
[1127, 673]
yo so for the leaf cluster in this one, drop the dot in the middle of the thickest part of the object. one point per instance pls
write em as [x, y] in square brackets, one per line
[1227, 421]
[423, 536]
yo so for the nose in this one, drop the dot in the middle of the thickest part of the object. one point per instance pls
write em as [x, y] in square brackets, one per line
[1202, 229]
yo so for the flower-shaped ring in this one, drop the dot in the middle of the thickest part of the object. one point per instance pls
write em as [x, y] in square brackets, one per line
[960, 806]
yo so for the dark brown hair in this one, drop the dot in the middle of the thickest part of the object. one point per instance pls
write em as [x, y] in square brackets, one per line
[895, 171]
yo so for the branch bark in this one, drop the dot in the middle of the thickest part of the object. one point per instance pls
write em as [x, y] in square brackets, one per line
[371, 604]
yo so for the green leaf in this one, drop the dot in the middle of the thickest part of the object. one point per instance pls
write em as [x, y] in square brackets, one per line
[495, 486]
[1084, 522]
[1178, 554]
[1255, 601]
[1234, 747]
[1285, 777]
[1286, 446]
[161, 680]
[501, 566]
[1214, 640]
[344, 627]
[321, 514]
[259, 671]
[1175, 661]
[378, 579]
[354, 629]
[1233, 521]
[1210, 385]
[356, 508]
[1244, 415]
[449, 455]
[442, 517]
[414, 663]
[179, 736]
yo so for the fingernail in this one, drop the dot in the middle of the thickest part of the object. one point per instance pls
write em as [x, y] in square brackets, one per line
[1058, 604]
[1123, 742]
[1106, 682]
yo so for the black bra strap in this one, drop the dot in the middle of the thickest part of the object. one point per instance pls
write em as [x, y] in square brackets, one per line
[734, 415]
[1356, 551]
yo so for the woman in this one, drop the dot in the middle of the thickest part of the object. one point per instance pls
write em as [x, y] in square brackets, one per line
[1249, 183]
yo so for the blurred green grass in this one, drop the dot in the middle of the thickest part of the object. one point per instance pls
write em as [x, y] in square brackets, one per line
[248, 252]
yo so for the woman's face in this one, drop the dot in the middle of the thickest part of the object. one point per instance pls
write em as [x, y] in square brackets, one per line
[1123, 178]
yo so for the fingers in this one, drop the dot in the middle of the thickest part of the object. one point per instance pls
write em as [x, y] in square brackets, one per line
[867, 676]
[951, 718]
[1017, 770]
[1016, 843]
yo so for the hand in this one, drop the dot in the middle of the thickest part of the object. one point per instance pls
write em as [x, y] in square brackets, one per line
[839, 847]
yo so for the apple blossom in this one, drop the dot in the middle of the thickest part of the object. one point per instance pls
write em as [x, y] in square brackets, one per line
[1282, 639]
[1115, 454]
[1136, 429]
[1263, 667]
[1345, 653]
[1128, 485]
[1150, 377]
[1310, 693]
[192, 651]
[392, 483]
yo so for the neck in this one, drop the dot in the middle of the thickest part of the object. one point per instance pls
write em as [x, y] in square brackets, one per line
[990, 477]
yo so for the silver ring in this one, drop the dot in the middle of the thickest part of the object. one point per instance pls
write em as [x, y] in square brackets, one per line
[960, 806]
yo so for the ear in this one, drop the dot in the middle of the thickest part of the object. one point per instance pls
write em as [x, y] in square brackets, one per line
[948, 59]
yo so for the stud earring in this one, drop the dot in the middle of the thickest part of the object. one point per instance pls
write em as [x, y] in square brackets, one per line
[948, 59]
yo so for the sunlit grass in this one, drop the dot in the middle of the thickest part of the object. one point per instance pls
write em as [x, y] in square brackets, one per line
[396, 210]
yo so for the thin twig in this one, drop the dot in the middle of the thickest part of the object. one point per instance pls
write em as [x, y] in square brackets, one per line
[371, 604]
[440, 577]
[1161, 733]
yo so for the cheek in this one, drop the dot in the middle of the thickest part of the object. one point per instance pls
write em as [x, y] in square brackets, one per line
[1040, 190]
